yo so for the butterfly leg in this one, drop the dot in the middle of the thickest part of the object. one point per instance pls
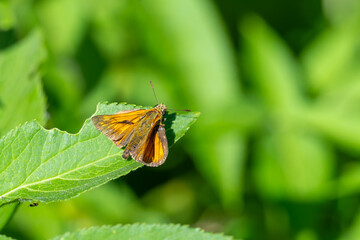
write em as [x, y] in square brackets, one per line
[126, 153]
[130, 147]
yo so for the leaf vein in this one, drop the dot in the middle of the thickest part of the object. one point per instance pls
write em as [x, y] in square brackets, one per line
[54, 157]
[21, 152]
[56, 177]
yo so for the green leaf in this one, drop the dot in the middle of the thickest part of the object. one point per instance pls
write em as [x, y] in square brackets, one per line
[352, 232]
[21, 95]
[6, 213]
[334, 76]
[6, 16]
[110, 31]
[142, 232]
[326, 69]
[3, 237]
[348, 182]
[64, 23]
[276, 75]
[51, 165]
[289, 147]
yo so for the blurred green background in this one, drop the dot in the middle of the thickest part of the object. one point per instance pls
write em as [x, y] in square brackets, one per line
[275, 153]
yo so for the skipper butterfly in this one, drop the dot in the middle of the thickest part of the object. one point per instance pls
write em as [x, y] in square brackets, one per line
[140, 131]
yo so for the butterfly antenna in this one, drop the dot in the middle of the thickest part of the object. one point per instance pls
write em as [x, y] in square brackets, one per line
[154, 92]
[152, 86]
[186, 110]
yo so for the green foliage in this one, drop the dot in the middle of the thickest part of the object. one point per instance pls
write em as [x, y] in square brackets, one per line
[6, 212]
[289, 147]
[142, 231]
[296, 155]
[6, 16]
[19, 74]
[274, 154]
[58, 165]
[2, 237]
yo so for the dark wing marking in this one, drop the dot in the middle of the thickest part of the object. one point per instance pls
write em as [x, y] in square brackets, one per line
[119, 127]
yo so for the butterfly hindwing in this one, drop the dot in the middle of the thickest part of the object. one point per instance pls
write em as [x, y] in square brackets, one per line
[154, 149]
[160, 148]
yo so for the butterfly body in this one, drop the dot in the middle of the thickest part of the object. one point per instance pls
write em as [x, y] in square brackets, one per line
[140, 130]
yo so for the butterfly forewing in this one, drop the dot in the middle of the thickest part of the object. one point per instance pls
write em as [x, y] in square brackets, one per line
[119, 127]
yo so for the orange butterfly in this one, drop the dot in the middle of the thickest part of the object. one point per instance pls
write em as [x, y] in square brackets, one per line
[140, 130]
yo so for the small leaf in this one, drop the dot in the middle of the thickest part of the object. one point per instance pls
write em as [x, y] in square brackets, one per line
[326, 69]
[64, 23]
[6, 212]
[7, 18]
[51, 165]
[280, 78]
[21, 95]
[143, 231]
[3, 237]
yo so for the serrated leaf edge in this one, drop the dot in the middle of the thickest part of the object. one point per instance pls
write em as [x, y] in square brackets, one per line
[170, 225]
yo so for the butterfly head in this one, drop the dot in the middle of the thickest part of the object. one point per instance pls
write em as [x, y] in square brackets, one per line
[162, 108]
